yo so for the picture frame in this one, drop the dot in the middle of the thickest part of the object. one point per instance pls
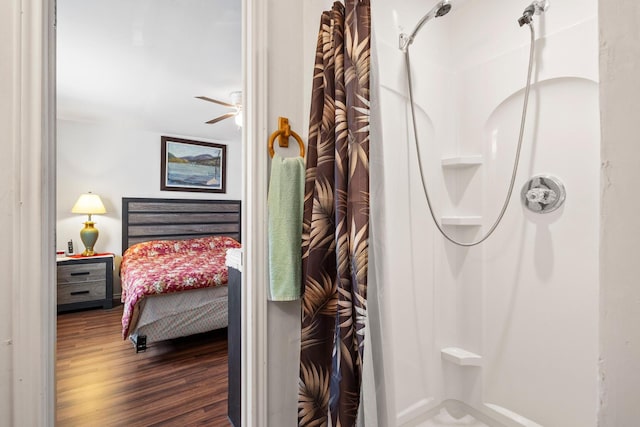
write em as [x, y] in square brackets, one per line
[189, 165]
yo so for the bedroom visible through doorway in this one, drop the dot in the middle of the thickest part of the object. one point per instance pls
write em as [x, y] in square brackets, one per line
[129, 74]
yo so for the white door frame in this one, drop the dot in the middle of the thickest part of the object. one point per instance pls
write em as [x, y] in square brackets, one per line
[33, 274]
[33, 215]
[254, 300]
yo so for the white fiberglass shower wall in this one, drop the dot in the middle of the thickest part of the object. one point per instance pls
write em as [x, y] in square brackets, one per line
[504, 333]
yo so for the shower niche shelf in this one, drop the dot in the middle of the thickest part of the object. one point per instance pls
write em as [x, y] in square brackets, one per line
[465, 221]
[461, 162]
[461, 357]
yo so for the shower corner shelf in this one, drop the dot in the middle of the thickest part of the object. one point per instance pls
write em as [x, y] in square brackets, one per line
[473, 221]
[461, 357]
[461, 161]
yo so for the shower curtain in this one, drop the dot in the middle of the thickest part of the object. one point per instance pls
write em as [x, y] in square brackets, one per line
[336, 221]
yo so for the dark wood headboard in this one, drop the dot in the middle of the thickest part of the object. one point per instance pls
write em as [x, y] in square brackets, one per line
[145, 219]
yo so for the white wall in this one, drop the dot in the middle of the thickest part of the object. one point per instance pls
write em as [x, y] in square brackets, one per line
[620, 230]
[115, 163]
[286, 71]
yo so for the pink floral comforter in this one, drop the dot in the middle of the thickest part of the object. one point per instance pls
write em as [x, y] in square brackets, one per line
[165, 266]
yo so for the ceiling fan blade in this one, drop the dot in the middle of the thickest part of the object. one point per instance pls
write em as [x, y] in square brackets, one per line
[226, 104]
[224, 116]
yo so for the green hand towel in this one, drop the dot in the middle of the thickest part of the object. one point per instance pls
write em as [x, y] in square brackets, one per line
[285, 205]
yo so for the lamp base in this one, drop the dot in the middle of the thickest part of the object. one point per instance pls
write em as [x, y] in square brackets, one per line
[89, 236]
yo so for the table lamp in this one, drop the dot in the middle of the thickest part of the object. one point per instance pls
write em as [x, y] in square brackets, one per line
[89, 204]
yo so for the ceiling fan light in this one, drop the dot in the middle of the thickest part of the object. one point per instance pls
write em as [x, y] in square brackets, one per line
[236, 98]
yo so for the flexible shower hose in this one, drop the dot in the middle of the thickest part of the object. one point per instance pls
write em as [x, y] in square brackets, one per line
[515, 164]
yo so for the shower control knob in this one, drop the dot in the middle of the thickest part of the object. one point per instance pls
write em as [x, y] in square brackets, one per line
[543, 194]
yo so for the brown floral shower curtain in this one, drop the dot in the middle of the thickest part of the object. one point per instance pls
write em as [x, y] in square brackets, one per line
[336, 221]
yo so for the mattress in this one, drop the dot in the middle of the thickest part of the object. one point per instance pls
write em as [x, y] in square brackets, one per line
[181, 314]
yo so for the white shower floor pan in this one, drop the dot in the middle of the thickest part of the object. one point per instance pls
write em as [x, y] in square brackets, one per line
[455, 413]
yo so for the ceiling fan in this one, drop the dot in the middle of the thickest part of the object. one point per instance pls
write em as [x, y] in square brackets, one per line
[236, 104]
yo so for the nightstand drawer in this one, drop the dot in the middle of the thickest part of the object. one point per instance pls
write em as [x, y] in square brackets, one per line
[81, 273]
[80, 292]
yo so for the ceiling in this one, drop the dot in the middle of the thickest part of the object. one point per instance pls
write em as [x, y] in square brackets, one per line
[140, 64]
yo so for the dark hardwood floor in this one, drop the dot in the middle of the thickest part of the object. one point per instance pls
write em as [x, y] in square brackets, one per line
[101, 381]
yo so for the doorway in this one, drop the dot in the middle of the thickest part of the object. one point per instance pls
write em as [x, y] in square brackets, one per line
[128, 74]
[30, 399]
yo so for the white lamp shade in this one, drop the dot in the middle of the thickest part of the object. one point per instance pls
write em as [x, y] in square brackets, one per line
[89, 204]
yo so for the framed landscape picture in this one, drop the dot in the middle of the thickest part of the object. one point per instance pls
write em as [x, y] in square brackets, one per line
[193, 165]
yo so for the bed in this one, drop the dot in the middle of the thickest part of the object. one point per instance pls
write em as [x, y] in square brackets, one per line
[173, 271]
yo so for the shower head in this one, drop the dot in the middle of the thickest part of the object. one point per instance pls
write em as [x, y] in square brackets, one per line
[440, 9]
[443, 8]
[535, 8]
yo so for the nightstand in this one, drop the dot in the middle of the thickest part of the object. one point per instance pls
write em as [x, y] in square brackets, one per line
[85, 282]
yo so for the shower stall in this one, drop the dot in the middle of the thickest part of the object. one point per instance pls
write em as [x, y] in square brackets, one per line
[504, 333]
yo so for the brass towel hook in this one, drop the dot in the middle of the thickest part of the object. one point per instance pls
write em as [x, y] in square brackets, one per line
[283, 133]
